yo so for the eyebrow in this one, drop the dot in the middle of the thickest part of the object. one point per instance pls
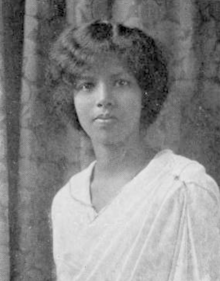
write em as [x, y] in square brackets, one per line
[85, 77]
[113, 75]
[120, 74]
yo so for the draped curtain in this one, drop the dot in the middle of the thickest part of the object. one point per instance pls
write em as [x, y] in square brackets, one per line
[4, 193]
[38, 153]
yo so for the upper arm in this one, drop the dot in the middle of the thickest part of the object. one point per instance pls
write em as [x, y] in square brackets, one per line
[199, 251]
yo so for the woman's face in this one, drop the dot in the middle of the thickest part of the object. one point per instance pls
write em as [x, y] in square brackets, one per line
[108, 103]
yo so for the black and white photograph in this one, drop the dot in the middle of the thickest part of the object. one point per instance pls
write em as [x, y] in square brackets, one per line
[110, 140]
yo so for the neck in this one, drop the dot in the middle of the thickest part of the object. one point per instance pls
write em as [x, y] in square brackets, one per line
[113, 159]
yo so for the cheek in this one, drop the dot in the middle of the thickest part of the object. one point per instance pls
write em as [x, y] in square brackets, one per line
[83, 110]
[80, 108]
[133, 106]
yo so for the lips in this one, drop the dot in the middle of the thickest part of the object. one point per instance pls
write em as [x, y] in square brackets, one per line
[105, 118]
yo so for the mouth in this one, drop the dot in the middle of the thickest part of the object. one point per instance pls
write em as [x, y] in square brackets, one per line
[105, 118]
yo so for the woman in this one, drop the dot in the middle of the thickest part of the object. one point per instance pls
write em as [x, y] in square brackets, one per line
[131, 215]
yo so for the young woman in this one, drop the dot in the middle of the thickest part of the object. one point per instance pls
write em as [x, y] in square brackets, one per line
[132, 214]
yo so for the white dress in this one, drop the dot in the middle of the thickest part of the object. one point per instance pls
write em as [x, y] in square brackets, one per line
[164, 225]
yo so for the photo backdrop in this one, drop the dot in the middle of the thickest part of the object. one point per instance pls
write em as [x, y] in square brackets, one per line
[38, 153]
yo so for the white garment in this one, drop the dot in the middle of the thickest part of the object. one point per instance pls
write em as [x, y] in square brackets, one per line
[163, 226]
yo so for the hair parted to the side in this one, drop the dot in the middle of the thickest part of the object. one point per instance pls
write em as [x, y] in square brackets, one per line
[77, 49]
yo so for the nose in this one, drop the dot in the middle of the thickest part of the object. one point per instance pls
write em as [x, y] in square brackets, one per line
[104, 96]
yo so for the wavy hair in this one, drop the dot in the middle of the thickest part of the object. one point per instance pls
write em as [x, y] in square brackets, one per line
[77, 49]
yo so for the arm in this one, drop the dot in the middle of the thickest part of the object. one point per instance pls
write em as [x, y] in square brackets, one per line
[183, 243]
[198, 254]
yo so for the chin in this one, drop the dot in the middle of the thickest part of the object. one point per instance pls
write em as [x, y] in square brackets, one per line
[112, 137]
[106, 141]
[109, 139]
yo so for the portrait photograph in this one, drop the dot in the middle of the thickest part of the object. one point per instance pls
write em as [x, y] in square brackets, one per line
[110, 140]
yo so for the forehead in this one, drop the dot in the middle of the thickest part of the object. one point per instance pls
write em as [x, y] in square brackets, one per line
[105, 66]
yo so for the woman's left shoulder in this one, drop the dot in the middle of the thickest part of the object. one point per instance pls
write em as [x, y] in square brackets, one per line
[193, 174]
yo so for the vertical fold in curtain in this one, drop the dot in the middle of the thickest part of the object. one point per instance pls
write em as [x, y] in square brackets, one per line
[4, 193]
[201, 115]
[41, 161]
[28, 216]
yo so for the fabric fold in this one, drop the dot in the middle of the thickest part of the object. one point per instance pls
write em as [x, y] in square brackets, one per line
[150, 231]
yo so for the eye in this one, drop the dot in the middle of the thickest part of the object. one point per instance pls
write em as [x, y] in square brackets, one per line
[85, 86]
[122, 83]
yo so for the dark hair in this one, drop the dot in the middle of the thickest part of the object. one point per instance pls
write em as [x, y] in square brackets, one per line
[77, 48]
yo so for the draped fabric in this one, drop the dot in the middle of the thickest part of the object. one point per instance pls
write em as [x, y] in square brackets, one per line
[162, 226]
[39, 153]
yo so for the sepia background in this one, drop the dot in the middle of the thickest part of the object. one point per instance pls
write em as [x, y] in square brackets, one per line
[38, 153]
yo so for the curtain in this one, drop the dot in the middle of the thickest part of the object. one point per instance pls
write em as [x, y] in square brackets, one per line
[4, 196]
[39, 153]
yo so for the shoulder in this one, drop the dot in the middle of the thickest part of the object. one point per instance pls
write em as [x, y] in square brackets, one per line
[74, 189]
[192, 177]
